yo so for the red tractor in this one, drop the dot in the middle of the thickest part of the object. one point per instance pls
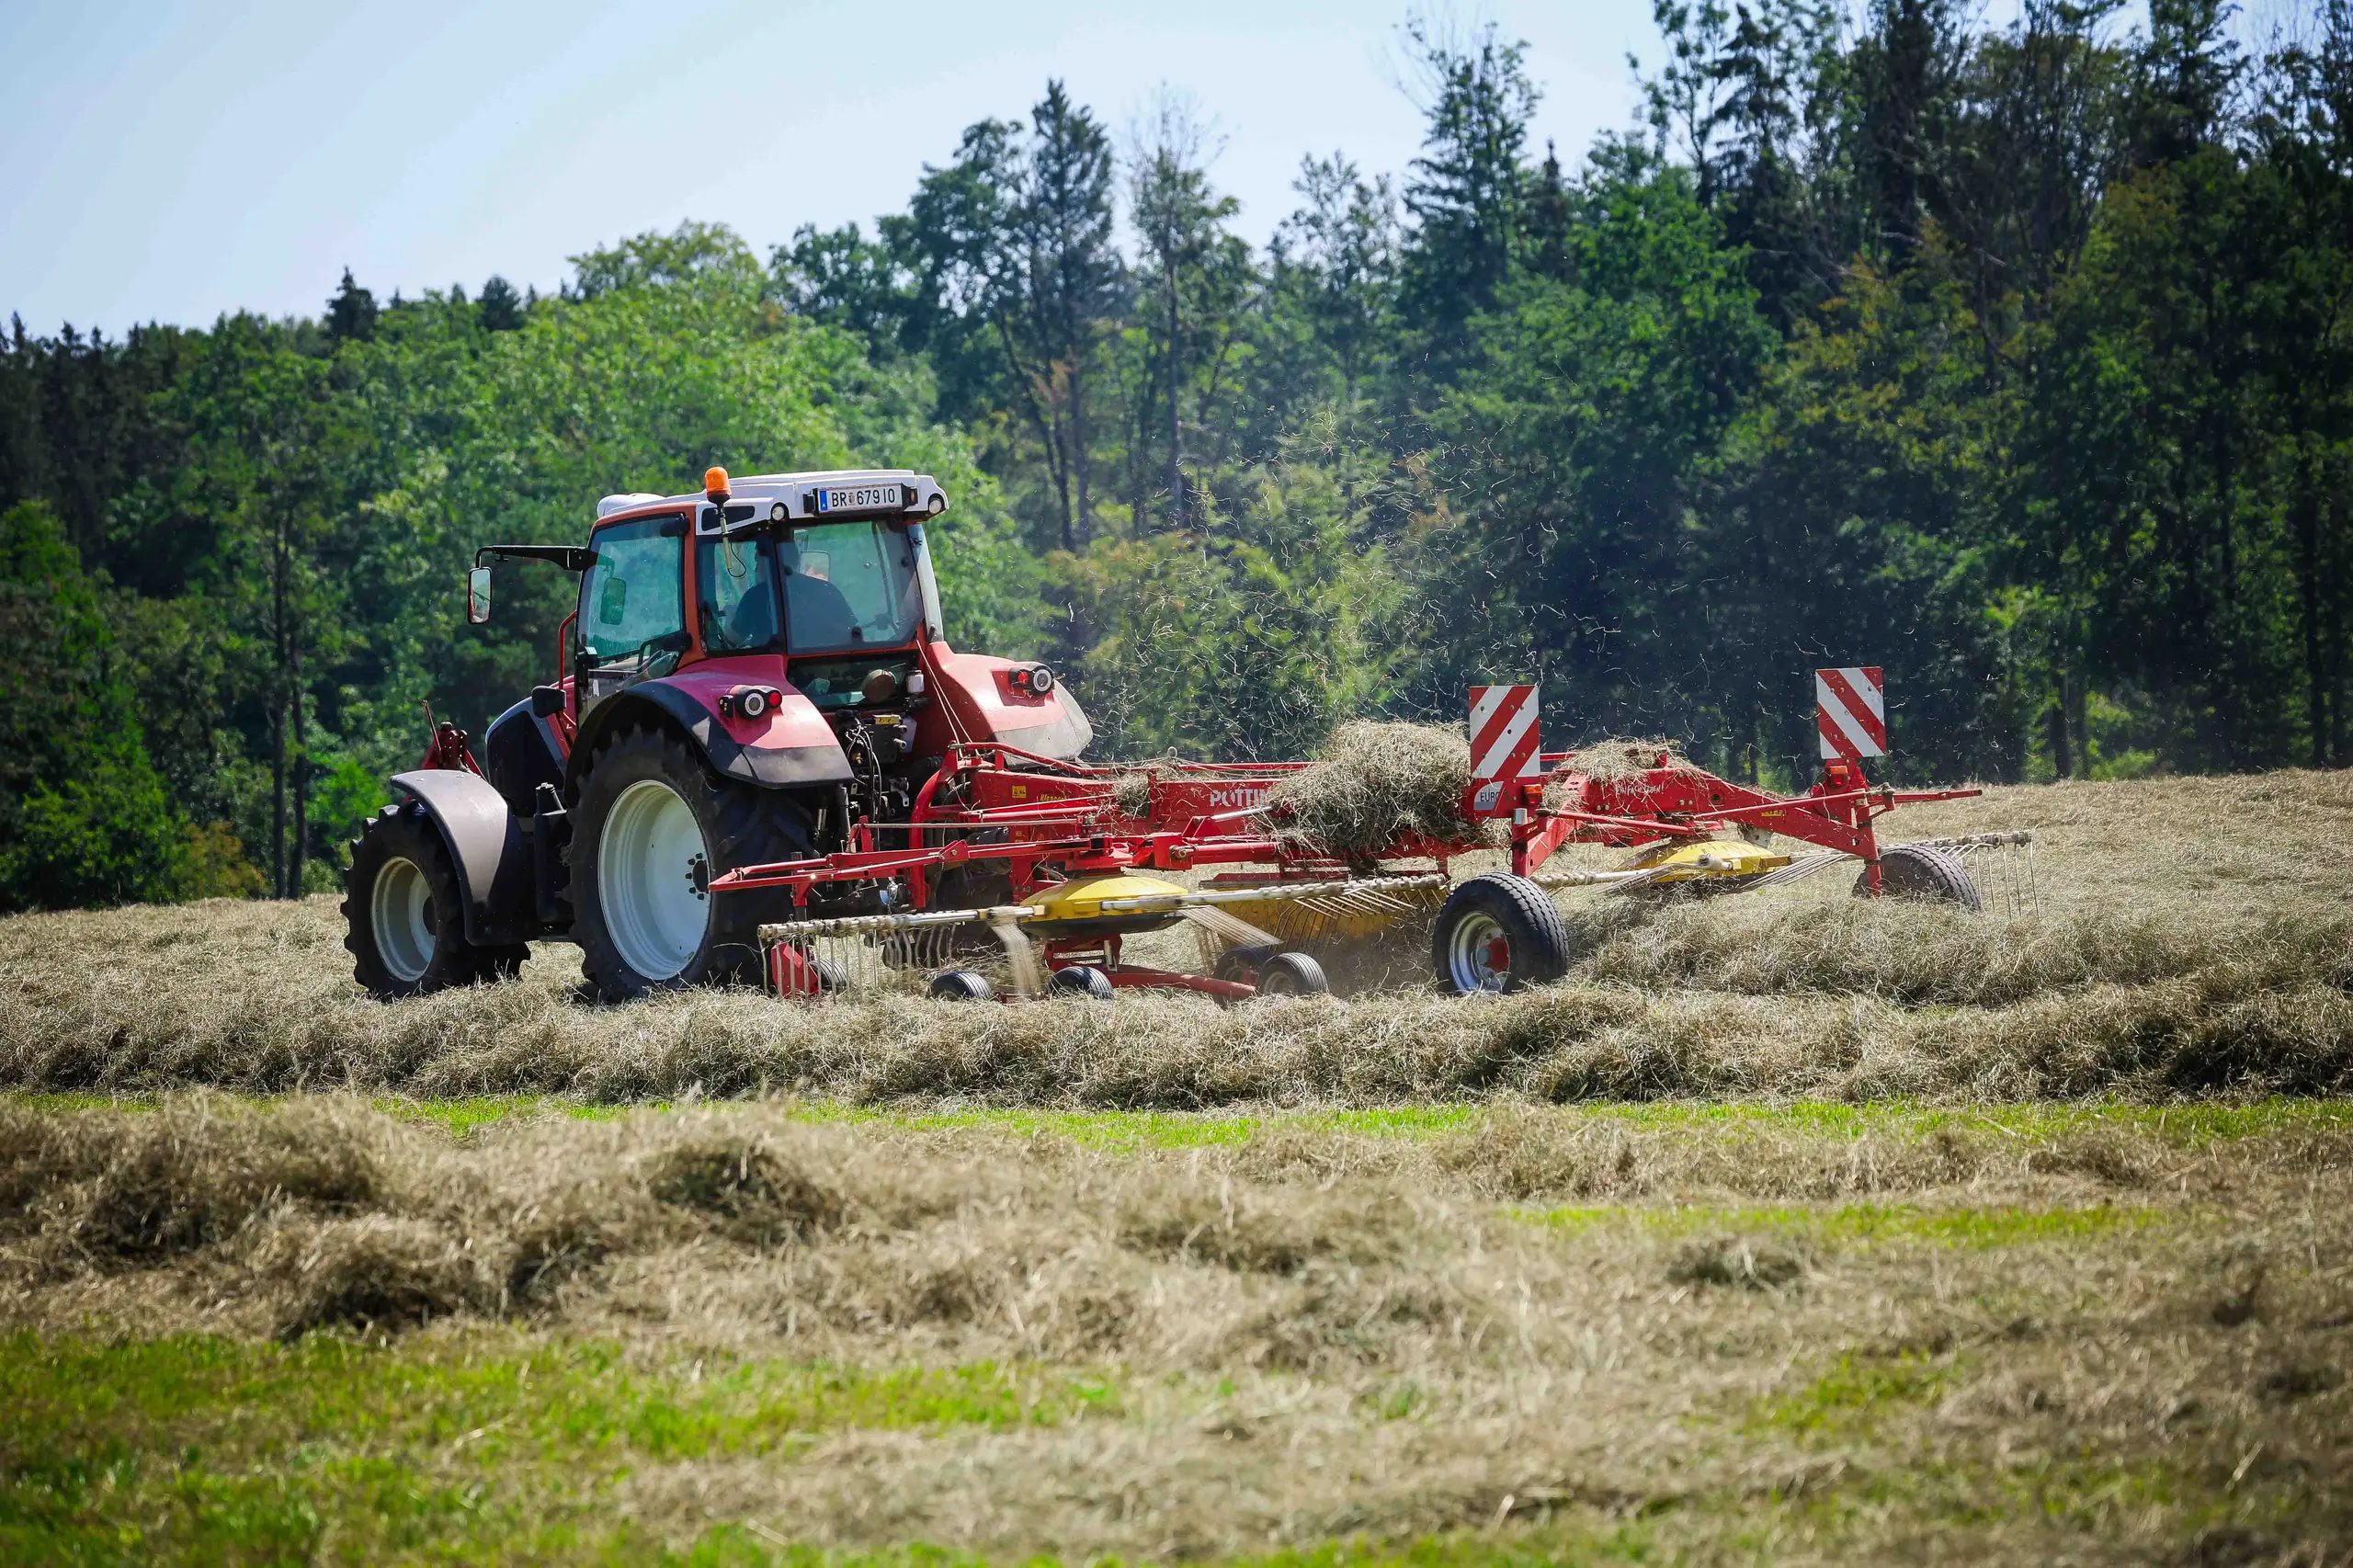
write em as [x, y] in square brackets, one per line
[761, 743]
[751, 674]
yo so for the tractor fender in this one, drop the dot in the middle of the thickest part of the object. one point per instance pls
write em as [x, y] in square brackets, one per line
[1050, 724]
[521, 751]
[791, 747]
[487, 845]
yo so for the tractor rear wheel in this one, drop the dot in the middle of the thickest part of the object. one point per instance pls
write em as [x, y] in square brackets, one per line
[1923, 873]
[1498, 932]
[655, 826]
[405, 916]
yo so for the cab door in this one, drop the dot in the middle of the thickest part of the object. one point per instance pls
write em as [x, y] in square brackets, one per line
[632, 624]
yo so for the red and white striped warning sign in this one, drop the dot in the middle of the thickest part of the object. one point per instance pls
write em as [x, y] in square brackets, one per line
[1851, 709]
[1504, 742]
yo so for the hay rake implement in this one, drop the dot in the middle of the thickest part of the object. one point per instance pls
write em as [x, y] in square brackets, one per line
[1019, 875]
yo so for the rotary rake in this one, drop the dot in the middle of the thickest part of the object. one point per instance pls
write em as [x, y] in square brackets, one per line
[1020, 875]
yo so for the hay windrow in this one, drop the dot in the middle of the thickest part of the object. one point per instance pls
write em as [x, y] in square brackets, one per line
[2196, 938]
[888, 1235]
[371, 1273]
[1845, 1000]
[1373, 782]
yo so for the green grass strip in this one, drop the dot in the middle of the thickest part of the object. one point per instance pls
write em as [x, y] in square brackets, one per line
[1849, 1224]
[2194, 1124]
[564, 1400]
[209, 1448]
[1855, 1393]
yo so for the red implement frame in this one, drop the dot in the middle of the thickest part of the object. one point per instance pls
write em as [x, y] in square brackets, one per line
[1664, 801]
[993, 802]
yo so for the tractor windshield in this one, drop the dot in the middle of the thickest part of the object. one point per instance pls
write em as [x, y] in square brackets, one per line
[849, 586]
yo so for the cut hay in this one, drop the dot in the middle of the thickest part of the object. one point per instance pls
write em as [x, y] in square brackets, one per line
[1132, 795]
[1132, 790]
[1620, 762]
[1624, 756]
[186, 1180]
[1373, 783]
[370, 1273]
[1836, 998]
[1737, 1261]
[751, 1192]
[1026, 1342]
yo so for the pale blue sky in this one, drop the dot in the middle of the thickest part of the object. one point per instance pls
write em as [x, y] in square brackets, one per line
[169, 161]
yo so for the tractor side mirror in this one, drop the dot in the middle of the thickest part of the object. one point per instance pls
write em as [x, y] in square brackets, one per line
[478, 597]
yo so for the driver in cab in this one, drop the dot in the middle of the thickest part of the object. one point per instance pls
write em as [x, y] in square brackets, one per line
[817, 614]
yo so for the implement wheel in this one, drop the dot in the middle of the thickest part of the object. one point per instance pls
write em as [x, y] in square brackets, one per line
[1080, 980]
[655, 826]
[405, 916]
[1292, 974]
[1923, 874]
[1498, 932]
[962, 985]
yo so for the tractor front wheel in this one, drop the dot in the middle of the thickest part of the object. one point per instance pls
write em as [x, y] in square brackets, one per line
[405, 914]
[1498, 932]
[655, 827]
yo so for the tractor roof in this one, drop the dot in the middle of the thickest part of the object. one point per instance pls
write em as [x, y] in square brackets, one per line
[797, 491]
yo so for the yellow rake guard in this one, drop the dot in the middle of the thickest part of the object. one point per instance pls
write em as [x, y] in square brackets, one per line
[911, 945]
[1695, 862]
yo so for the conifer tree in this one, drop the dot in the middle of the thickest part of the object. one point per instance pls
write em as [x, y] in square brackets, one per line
[351, 313]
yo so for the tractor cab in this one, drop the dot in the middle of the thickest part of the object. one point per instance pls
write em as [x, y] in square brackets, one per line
[798, 610]
[831, 568]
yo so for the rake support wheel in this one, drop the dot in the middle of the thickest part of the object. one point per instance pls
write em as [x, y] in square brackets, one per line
[1080, 980]
[1922, 873]
[1498, 932]
[962, 985]
[1292, 974]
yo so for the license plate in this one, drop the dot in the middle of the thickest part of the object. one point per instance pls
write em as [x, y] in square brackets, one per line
[861, 498]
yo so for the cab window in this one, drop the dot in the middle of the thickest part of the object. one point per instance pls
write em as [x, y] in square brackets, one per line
[735, 595]
[630, 597]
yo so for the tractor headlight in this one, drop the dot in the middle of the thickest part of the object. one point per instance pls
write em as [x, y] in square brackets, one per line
[753, 703]
[1041, 679]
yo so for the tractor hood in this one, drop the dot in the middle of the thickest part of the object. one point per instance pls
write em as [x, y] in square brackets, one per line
[789, 743]
[991, 705]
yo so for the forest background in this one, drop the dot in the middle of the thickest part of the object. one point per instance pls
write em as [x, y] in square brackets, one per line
[2012, 359]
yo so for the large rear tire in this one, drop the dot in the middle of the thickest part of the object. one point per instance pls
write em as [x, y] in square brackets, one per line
[404, 915]
[655, 826]
[1922, 873]
[1498, 932]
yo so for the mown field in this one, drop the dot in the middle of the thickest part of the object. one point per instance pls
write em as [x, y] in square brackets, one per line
[1786, 1229]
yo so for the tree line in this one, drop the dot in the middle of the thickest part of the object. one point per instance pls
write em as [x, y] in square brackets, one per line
[2008, 358]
